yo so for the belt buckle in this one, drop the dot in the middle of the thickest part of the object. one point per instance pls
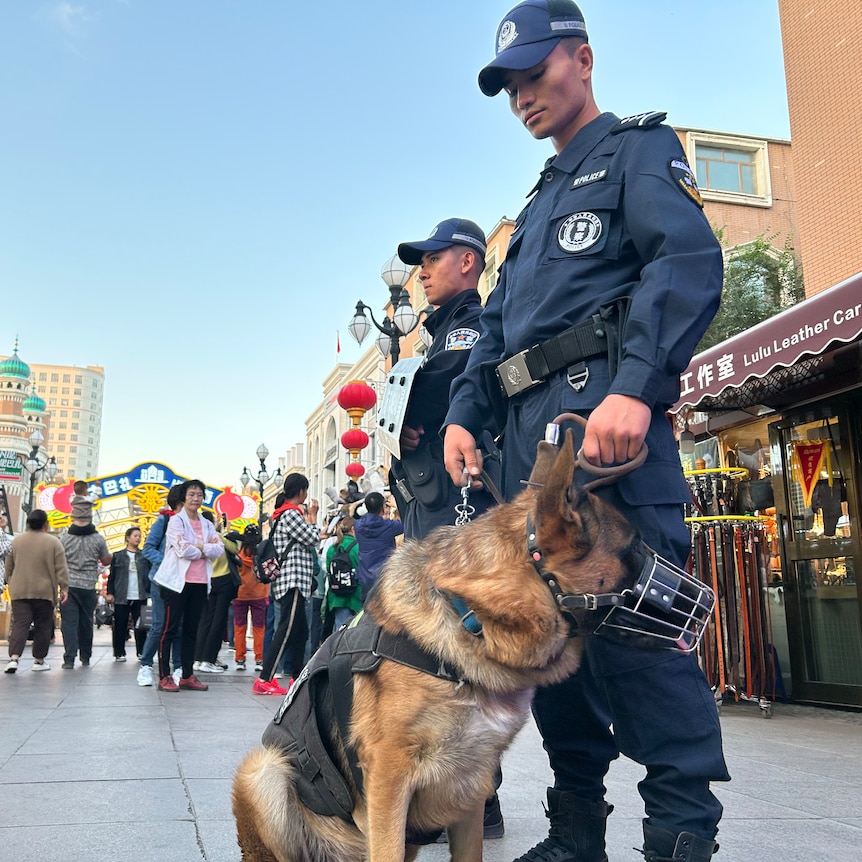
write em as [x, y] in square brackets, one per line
[514, 374]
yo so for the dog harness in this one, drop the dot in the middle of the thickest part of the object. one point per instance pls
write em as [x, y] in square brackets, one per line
[312, 724]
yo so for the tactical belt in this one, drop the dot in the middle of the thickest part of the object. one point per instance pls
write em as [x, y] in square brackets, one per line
[594, 337]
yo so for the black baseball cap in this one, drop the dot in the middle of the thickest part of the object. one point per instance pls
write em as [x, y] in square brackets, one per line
[527, 34]
[453, 231]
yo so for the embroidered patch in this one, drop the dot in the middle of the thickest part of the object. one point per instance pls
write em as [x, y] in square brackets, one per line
[684, 176]
[461, 339]
[579, 232]
[586, 179]
[508, 34]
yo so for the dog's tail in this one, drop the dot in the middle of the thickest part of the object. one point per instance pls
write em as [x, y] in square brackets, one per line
[260, 786]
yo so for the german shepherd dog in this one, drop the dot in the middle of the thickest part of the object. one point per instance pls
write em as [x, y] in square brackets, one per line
[428, 747]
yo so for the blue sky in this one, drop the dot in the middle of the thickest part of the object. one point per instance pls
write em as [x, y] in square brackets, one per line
[195, 193]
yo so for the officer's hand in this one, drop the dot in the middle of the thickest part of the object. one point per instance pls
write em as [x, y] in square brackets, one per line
[616, 430]
[411, 437]
[459, 451]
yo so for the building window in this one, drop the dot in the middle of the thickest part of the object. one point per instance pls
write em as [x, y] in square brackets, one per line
[74, 426]
[64, 402]
[55, 378]
[74, 438]
[64, 412]
[53, 390]
[77, 392]
[731, 169]
[43, 375]
[77, 402]
[73, 448]
[79, 378]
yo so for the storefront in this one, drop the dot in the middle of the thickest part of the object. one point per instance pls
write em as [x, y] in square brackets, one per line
[775, 413]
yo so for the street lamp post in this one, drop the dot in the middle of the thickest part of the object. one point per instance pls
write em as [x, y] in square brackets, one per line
[33, 466]
[262, 478]
[404, 320]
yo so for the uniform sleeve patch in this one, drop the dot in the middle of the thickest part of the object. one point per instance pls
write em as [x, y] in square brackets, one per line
[682, 174]
[461, 339]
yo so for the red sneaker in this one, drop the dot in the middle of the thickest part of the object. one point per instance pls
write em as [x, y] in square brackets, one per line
[192, 683]
[166, 683]
[261, 686]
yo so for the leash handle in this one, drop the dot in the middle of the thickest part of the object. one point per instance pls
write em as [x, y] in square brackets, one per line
[606, 475]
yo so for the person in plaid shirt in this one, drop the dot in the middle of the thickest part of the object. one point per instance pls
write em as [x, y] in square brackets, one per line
[295, 535]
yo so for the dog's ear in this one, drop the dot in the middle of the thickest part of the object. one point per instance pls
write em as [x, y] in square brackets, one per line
[546, 454]
[555, 498]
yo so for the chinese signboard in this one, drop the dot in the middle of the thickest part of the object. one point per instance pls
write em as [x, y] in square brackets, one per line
[806, 329]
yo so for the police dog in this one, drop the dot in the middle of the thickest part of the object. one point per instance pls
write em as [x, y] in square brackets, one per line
[428, 747]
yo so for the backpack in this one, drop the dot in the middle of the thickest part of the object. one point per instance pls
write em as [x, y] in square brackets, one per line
[341, 574]
[267, 561]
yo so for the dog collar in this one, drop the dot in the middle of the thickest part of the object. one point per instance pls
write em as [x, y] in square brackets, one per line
[468, 617]
[567, 602]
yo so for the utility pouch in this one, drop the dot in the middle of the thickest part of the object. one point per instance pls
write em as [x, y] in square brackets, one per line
[425, 475]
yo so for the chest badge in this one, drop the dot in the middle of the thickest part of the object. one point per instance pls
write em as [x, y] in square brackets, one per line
[579, 232]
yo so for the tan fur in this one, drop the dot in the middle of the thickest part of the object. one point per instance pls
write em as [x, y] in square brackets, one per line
[428, 748]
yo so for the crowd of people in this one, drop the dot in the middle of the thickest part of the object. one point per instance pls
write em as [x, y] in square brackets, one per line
[187, 595]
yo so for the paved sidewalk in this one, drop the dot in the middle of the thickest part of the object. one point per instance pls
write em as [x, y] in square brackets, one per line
[94, 768]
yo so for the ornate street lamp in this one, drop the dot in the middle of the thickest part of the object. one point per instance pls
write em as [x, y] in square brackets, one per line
[262, 478]
[404, 320]
[34, 466]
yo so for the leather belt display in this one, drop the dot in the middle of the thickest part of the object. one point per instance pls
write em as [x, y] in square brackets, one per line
[530, 367]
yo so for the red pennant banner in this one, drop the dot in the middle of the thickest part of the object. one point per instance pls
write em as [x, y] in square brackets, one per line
[808, 460]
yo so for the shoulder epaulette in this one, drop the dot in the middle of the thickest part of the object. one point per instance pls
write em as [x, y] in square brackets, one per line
[639, 121]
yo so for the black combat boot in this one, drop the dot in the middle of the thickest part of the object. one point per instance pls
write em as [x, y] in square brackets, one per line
[577, 832]
[663, 846]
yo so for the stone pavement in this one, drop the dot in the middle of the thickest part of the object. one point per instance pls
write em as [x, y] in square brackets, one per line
[94, 768]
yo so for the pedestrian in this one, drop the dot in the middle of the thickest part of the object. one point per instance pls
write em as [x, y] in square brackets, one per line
[376, 538]
[128, 583]
[5, 547]
[343, 606]
[85, 549]
[295, 535]
[37, 577]
[223, 590]
[450, 262]
[611, 277]
[184, 581]
[251, 600]
[154, 551]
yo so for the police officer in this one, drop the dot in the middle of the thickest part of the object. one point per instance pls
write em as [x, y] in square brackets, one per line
[613, 271]
[450, 263]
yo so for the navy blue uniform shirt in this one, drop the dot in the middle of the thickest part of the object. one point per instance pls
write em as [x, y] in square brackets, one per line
[615, 214]
[455, 329]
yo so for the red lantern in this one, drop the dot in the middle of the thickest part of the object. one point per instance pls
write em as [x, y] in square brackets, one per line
[354, 441]
[356, 398]
[354, 469]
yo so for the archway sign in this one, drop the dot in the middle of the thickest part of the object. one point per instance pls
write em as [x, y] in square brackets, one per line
[136, 497]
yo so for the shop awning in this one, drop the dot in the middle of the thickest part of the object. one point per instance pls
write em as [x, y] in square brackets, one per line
[788, 340]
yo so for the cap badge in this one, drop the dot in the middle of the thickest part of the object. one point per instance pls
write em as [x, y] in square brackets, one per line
[433, 232]
[508, 34]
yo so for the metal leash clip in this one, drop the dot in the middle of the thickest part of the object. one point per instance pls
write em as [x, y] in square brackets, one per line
[463, 510]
